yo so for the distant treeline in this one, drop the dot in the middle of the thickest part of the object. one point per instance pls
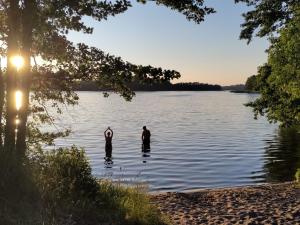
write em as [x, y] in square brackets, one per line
[192, 86]
[237, 87]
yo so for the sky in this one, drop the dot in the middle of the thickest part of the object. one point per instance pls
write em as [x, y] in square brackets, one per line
[210, 52]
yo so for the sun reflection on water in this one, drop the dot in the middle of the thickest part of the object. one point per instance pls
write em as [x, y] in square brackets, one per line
[18, 97]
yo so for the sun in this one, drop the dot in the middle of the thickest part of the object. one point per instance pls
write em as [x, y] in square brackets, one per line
[17, 61]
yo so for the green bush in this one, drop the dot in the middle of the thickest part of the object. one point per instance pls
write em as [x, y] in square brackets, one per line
[58, 188]
[67, 188]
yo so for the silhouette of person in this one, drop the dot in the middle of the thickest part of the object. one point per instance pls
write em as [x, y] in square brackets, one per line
[146, 139]
[108, 134]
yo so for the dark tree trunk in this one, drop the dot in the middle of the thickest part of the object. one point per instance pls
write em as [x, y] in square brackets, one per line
[1, 106]
[12, 49]
[25, 73]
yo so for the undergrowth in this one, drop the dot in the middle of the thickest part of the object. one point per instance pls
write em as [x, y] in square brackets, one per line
[58, 188]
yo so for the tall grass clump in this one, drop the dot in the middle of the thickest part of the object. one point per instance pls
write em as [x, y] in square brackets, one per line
[134, 202]
[58, 188]
[297, 177]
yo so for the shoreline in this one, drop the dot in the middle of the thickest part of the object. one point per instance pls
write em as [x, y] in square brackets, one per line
[277, 203]
[196, 190]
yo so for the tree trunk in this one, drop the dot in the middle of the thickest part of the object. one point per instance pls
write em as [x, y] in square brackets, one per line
[25, 73]
[1, 106]
[12, 49]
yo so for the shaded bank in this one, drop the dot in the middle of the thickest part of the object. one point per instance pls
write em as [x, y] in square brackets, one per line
[282, 155]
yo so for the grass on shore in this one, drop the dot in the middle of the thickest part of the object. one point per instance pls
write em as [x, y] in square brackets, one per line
[297, 178]
[57, 188]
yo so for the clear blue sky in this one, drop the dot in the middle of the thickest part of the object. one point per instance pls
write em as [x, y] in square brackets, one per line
[210, 52]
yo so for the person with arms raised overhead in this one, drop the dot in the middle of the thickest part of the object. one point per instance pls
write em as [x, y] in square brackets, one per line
[108, 134]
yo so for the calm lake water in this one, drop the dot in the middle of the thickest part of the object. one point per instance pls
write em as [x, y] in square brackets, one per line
[199, 140]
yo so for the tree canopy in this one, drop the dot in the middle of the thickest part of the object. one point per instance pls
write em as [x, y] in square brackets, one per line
[279, 79]
[252, 83]
[34, 29]
[266, 17]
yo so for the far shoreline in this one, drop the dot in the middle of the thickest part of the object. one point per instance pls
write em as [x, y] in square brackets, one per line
[156, 91]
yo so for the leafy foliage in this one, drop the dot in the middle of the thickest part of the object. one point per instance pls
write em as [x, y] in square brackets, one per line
[71, 194]
[279, 79]
[252, 83]
[193, 9]
[266, 16]
[59, 189]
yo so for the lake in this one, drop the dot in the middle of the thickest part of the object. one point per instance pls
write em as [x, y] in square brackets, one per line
[199, 140]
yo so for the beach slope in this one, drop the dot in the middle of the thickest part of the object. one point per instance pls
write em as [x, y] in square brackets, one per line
[262, 204]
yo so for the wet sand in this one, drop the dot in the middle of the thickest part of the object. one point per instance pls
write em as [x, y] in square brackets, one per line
[262, 204]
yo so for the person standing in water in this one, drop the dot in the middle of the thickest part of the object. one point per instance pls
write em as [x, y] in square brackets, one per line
[146, 138]
[108, 134]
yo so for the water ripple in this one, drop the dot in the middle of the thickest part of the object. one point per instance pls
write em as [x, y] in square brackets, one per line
[199, 140]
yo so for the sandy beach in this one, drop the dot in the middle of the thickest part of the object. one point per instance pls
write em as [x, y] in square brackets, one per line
[261, 204]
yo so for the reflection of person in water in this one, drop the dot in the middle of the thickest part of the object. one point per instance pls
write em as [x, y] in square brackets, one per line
[146, 154]
[108, 134]
[146, 139]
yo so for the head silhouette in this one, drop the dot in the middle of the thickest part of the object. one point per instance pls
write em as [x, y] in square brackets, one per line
[144, 128]
[108, 134]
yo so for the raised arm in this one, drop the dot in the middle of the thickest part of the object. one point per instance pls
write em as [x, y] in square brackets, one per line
[105, 132]
[112, 133]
